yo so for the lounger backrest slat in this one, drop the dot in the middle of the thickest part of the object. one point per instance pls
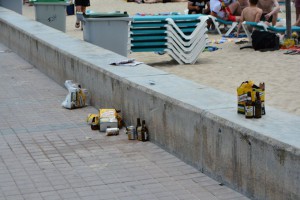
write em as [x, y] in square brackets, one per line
[147, 37]
[163, 23]
[148, 44]
[151, 49]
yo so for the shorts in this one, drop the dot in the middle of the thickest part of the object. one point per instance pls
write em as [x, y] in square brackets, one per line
[262, 18]
[82, 3]
[230, 16]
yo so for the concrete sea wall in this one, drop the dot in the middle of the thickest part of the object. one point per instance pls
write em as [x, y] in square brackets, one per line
[259, 158]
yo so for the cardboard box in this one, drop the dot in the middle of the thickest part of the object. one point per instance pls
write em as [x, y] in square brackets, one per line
[108, 123]
[243, 89]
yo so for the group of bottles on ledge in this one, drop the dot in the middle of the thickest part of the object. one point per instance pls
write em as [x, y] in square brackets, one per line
[139, 132]
[256, 108]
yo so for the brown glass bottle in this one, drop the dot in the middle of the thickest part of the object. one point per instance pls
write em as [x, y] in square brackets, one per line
[249, 108]
[263, 109]
[144, 132]
[257, 106]
[138, 128]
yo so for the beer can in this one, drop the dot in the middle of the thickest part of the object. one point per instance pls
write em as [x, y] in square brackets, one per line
[112, 131]
[130, 130]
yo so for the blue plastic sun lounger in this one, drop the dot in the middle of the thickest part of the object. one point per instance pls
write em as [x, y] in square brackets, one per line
[218, 22]
[183, 37]
[256, 25]
[282, 29]
[264, 27]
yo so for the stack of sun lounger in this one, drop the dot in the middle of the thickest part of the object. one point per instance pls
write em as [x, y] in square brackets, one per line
[183, 37]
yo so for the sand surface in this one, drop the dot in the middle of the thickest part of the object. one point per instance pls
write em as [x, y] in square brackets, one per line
[224, 69]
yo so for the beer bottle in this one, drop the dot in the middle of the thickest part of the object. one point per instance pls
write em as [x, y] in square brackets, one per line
[263, 109]
[144, 132]
[138, 128]
[249, 110]
[257, 106]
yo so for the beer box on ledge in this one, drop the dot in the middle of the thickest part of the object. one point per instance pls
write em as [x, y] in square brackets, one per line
[108, 123]
[243, 89]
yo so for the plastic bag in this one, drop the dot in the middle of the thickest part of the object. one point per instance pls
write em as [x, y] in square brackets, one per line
[77, 97]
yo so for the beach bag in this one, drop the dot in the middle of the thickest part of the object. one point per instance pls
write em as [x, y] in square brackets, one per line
[264, 41]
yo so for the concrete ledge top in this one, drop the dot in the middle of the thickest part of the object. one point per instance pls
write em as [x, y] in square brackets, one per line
[276, 127]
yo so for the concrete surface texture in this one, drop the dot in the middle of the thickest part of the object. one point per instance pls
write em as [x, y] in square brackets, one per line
[260, 158]
[48, 152]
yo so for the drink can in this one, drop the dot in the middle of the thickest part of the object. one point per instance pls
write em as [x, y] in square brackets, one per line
[112, 131]
[130, 130]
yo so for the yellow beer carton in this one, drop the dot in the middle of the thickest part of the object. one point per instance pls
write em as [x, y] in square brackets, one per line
[108, 119]
[243, 89]
[107, 113]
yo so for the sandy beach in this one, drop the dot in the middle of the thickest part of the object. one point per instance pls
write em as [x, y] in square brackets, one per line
[224, 69]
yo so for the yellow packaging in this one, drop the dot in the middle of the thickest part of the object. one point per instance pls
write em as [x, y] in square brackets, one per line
[288, 43]
[107, 113]
[93, 120]
[243, 89]
[80, 99]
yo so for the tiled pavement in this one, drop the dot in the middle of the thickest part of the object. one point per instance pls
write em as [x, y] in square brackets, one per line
[49, 153]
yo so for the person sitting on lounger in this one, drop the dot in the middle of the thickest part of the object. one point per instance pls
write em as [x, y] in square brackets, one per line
[198, 6]
[226, 12]
[250, 14]
[270, 9]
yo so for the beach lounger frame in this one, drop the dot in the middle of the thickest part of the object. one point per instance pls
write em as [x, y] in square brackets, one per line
[262, 26]
[257, 25]
[217, 22]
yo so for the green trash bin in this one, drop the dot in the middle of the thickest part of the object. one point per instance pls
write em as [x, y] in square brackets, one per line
[51, 13]
[107, 30]
[15, 5]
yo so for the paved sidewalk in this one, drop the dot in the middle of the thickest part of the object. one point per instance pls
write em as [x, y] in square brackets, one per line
[49, 153]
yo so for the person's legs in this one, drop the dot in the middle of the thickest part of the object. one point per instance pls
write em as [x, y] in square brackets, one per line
[235, 10]
[274, 19]
[297, 13]
[78, 9]
[83, 9]
[298, 21]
